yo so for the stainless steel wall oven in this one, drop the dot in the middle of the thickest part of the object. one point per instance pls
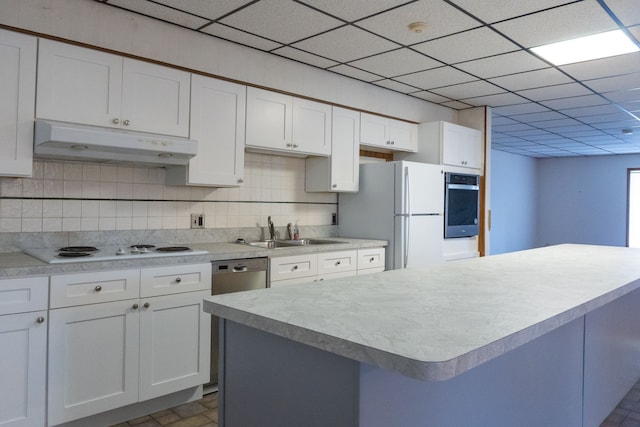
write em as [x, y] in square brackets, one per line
[461, 205]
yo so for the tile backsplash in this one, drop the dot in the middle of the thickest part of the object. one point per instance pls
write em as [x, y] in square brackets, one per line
[70, 196]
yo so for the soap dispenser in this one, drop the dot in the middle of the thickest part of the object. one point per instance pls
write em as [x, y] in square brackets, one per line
[296, 232]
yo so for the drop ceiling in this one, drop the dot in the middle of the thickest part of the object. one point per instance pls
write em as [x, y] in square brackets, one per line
[472, 53]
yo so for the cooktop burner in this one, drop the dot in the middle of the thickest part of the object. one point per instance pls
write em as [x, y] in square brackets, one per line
[110, 253]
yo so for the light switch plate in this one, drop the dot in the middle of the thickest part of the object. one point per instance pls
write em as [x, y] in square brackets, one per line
[197, 220]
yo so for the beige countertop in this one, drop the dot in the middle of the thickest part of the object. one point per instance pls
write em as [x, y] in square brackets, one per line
[19, 264]
[434, 323]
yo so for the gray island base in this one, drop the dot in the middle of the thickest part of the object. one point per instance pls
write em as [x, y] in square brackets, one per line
[545, 337]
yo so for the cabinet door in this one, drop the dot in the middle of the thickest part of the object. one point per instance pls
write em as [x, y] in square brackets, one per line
[218, 124]
[336, 262]
[402, 135]
[311, 131]
[293, 267]
[369, 259]
[461, 146]
[175, 279]
[373, 130]
[345, 150]
[155, 98]
[175, 343]
[93, 359]
[23, 358]
[18, 89]
[78, 85]
[269, 117]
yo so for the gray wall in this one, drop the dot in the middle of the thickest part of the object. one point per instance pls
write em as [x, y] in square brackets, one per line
[513, 202]
[538, 202]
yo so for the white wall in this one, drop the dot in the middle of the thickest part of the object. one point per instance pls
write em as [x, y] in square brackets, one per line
[584, 199]
[514, 194]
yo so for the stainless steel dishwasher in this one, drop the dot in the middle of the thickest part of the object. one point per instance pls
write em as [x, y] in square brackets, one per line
[234, 275]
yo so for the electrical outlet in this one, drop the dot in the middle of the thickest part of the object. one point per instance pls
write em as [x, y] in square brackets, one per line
[197, 220]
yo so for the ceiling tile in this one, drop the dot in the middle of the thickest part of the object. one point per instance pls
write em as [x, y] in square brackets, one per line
[623, 96]
[456, 105]
[355, 73]
[397, 86]
[551, 125]
[281, 21]
[591, 111]
[537, 117]
[528, 107]
[352, 10]
[605, 67]
[554, 92]
[498, 100]
[161, 12]
[627, 11]
[501, 120]
[472, 44]
[611, 84]
[615, 128]
[530, 134]
[513, 127]
[429, 96]
[240, 37]
[206, 8]
[531, 79]
[578, 101]
[562, 23]
[497, 10]
[605, 118]
[346, 44]
[304, 57]
[570, 130]
[500, 65]
[397, 62]
[438, 77]
[468, 90]
[441, 19]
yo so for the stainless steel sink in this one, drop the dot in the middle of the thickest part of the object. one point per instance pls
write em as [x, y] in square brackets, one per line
[302, 242]
[270, 244]
[274, 244]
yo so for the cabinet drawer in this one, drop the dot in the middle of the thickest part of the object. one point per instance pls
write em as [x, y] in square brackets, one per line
[293, 267]
[175, 279]
[370, 258]
[90, 288]
[24, 294]
[334, 262]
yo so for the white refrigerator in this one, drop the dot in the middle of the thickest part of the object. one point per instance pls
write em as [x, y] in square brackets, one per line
[401, 202]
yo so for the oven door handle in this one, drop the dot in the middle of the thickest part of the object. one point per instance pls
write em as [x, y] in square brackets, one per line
[407, 217]
[463, 187]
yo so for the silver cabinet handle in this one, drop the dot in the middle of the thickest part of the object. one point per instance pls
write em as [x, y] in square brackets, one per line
[295, 145]
[334, 186]
[372, 259]
[289, 145]
[178, 280]
[146, 305]
[40, 319]
[337, 263]
[294, 268]
[126, 122]
[240, 180]
[393, 142]
[135, 306]
[98, 288]
[115, 121]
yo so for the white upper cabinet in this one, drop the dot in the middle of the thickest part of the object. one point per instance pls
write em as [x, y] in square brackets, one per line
[17, 86]
[450, 144]
[87, 86]
[386, 133]
[288, 125]
[340, 171]
[218, 124]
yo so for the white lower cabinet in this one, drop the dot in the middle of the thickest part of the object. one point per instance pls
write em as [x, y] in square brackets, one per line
[370, 261]
[104, 355]
[23, 351]
[293, 270]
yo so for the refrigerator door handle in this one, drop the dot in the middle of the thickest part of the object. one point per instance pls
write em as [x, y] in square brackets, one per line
[407, 217]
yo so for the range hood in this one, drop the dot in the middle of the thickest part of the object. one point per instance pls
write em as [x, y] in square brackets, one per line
[59, 140]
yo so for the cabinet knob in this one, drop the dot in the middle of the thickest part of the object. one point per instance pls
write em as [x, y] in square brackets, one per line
[295, 145]
[126, 122]
[393, 142]
[294, 268]
[135, 306]
[372, 259]
[337, 263]
[240, 180]
[289, 145]
[40, 319]
[146, 305]
[334, 186]
[98, 288]
[178, 280]
[115, 121]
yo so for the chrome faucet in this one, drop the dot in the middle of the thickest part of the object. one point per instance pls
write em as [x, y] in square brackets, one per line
[272, 230]
[289, 235]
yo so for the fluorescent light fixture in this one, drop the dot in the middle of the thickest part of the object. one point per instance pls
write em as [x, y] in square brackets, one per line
[601, 45]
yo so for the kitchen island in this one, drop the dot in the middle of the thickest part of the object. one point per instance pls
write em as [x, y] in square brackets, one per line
[548, 336]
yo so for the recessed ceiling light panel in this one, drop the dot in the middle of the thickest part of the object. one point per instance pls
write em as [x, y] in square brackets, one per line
[596, 46]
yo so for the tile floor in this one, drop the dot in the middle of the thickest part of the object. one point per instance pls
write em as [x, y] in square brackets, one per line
[199, 413]
[204, 413]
